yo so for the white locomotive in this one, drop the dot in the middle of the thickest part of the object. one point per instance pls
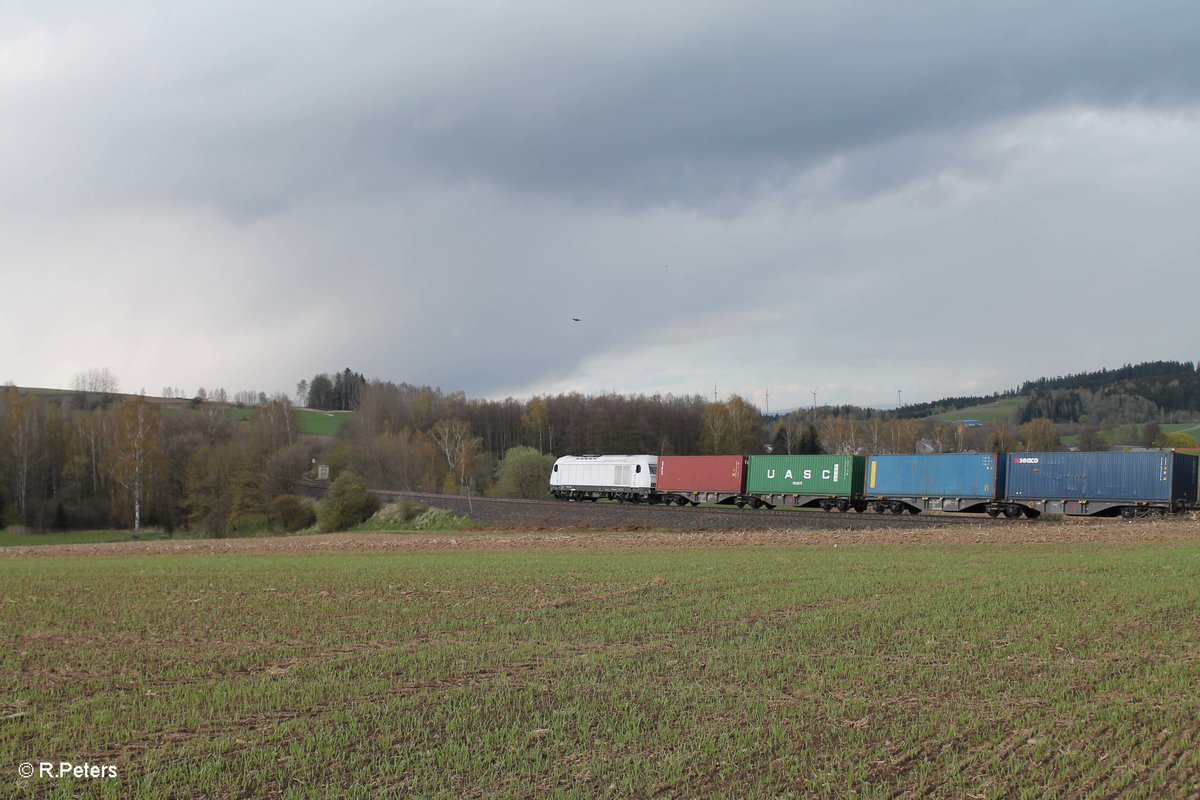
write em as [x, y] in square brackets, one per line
[630, 478]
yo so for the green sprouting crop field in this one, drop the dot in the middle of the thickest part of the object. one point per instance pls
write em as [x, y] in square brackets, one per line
[982, 671]
[309, 421]
[997, 411]
[1115, 434]
[22, 539]
[322, 423]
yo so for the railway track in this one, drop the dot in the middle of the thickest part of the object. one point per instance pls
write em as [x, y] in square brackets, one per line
[507, 514]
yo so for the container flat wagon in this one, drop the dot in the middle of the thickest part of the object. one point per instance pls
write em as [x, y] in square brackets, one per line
[1192, 451]
[704, 479]
[1102, 484]
[966, 482]
[627, 478]
[827, 482]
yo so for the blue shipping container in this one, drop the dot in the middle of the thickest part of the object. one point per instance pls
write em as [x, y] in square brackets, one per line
[965, 475]
[1152, 476]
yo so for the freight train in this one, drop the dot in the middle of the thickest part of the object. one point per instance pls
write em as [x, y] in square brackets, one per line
[1128, 484]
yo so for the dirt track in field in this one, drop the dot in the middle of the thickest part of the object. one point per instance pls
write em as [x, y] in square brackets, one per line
[1184, 530]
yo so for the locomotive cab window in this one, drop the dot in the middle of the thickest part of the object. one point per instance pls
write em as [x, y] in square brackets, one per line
[556, 467]
[639, 467]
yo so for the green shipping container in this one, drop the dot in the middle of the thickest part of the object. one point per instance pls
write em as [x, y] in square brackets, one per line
[806, 478]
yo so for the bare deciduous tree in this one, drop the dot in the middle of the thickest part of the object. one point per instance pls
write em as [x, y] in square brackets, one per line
[1040, 434]
[536, 422]
[453, 438]
[841, 434]
[96, 381]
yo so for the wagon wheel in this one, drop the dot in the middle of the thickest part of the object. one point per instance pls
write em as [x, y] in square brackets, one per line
[897, 507]
[1012, 512]
[993, 512]
[879, 507]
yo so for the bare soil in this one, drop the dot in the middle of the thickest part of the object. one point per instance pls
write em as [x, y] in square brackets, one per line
[939, 531]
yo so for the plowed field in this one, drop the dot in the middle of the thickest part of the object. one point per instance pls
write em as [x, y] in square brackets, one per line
[933, 531]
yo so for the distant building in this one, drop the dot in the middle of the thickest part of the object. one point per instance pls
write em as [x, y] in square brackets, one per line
[972, 423]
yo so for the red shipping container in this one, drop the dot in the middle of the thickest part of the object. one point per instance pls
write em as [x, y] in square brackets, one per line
[702, 474]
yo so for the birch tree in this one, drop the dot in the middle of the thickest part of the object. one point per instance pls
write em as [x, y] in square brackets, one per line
[24, 433]
[136, 449]
[453, 438]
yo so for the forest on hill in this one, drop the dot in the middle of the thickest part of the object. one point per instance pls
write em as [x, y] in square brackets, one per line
[1161, 391]
[1154, 391]
[94, 458]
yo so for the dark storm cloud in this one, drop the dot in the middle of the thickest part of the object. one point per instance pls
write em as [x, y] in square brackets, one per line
[254, 109]
[431, 191]
[771, 89]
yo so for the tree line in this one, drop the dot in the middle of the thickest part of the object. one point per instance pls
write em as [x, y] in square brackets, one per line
[97, 459]
[105, 460]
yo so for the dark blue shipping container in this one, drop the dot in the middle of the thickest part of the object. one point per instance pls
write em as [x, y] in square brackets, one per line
[1087, 483]
[945, 482]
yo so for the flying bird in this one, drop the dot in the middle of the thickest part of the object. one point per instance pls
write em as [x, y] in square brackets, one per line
[575, 318]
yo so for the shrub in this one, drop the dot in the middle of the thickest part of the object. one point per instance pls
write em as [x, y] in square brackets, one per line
[439, 519]
[401, 511]
[290, 513]
[249, 522]
[524, 472]
[346, 504]
[1179, 439]
[407, 515]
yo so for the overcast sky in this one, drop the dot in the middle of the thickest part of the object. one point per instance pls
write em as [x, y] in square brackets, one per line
[842, 197]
